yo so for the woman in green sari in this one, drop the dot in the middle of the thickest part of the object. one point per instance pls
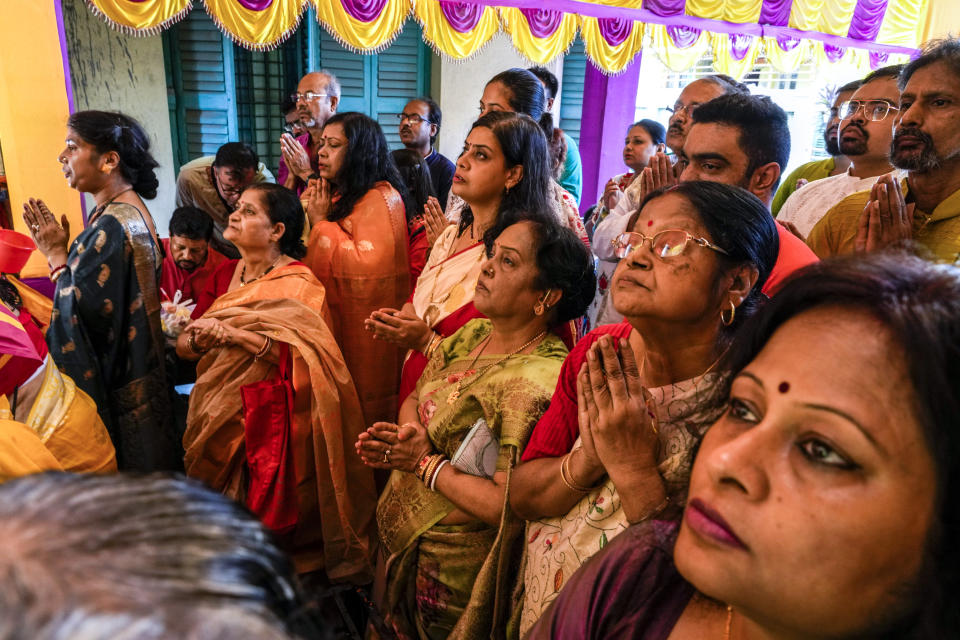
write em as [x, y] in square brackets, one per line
[451, 544]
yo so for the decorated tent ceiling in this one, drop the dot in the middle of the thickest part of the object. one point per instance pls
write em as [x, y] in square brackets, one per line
[613, 31]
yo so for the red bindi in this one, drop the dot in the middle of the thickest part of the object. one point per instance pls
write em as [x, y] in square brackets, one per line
[784, 387]
[649, 223]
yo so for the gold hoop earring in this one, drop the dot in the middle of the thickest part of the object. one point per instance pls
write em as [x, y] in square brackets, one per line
[733, 313]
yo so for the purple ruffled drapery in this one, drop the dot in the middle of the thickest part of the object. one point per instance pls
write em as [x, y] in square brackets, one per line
[682, 36]
[363, 10]
[615, 30]
[255, 5]
[740, 44]
[543, 23]
[867, 18]
[775, 12]
[461, 16]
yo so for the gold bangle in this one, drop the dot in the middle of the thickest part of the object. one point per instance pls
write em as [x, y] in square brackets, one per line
[432, 466]
[570, 484]
[267, 343]
[192, 343]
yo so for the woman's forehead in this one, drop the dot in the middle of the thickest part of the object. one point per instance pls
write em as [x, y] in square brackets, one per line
[669, 211]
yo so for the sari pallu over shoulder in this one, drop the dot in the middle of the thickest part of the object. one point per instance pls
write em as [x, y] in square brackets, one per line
[335, 491]
[105, 335]
[362, 262]
[510, 398]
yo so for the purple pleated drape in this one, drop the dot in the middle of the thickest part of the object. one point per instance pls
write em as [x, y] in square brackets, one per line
[775, 12]
[867, 18]
[255, 5]
[362, 10]
[615, 30]
[461, 16]
[543, 23]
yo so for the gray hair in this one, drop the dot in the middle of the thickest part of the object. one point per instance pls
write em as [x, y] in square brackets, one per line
[153, 547]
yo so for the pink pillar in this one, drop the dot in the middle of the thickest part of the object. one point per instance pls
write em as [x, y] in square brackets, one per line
[609, 105]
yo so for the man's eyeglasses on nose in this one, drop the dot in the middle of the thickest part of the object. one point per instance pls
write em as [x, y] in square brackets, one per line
[412, 118]
[669, 243]
[309, 96]
[686, 108]
[874, 110]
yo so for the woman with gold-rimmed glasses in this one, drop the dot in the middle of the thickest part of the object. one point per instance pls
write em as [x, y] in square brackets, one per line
[691, 267]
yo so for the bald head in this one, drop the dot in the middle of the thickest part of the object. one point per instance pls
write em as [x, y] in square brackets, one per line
[318, 95]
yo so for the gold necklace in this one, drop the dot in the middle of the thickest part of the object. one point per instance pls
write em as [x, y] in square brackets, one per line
[726, 633]
[463, 387]
[243, 272]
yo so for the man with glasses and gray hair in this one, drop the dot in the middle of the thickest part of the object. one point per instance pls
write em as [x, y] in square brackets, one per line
[419, 127]
[214, 183]
[317, 97]
[922, 207]
[864, 134]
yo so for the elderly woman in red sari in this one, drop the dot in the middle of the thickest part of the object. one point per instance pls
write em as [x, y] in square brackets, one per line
[444, 523]
[257, 310]
[691, 269]
[359, 250]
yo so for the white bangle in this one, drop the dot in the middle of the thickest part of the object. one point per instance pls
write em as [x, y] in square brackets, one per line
[433, 478]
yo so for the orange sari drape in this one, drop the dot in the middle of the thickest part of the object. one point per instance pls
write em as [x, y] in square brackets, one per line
[362, 262]
[335, 491]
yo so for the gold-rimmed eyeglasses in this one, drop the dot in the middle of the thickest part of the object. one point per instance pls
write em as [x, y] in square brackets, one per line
[666, 244]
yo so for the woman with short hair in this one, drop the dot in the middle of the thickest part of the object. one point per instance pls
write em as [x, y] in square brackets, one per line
[443, 518]
[263, 314]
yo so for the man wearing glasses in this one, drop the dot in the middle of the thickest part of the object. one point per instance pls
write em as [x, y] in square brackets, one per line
[419, 128]
[214, 183]
[815, 170]
[924, 206]
[865, 131]
[317, 97]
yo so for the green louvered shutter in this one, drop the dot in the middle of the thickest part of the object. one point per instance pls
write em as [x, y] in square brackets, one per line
[200, 66]
[403, 73]
[571, 89]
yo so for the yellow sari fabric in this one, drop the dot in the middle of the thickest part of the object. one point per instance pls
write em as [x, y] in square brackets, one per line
[67, 423]
[22, 453]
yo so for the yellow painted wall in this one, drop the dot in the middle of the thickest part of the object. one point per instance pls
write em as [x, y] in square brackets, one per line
[33, 113]
[943, 18]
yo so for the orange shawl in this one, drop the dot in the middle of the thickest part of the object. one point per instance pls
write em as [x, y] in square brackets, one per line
[335, 491]
[362, 262]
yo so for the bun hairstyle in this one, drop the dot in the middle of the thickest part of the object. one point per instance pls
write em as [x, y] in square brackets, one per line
[113, 131]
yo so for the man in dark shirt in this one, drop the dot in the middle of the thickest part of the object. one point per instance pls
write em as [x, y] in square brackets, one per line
[419, 128]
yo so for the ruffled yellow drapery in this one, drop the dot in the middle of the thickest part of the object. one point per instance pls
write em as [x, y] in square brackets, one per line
[364, 37]
[259, 30]
[674, 57]
[724, 60]
[140, 18]
[446, 40]
[902, 24]
[539, 50]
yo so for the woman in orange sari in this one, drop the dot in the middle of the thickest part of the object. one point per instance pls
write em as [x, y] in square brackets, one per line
[269, 304]
[358, 249]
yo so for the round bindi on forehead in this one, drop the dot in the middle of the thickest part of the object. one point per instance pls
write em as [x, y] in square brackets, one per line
[783, 387]
[649, 223]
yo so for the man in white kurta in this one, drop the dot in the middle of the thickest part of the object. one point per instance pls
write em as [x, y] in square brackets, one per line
[862, 139]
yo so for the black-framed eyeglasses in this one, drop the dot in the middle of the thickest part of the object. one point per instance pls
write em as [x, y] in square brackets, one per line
[875, 110]
[292, 128]
[666, 244]
[412, 118]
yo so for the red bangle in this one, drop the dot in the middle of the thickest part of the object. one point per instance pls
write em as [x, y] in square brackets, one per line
[55, 272]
